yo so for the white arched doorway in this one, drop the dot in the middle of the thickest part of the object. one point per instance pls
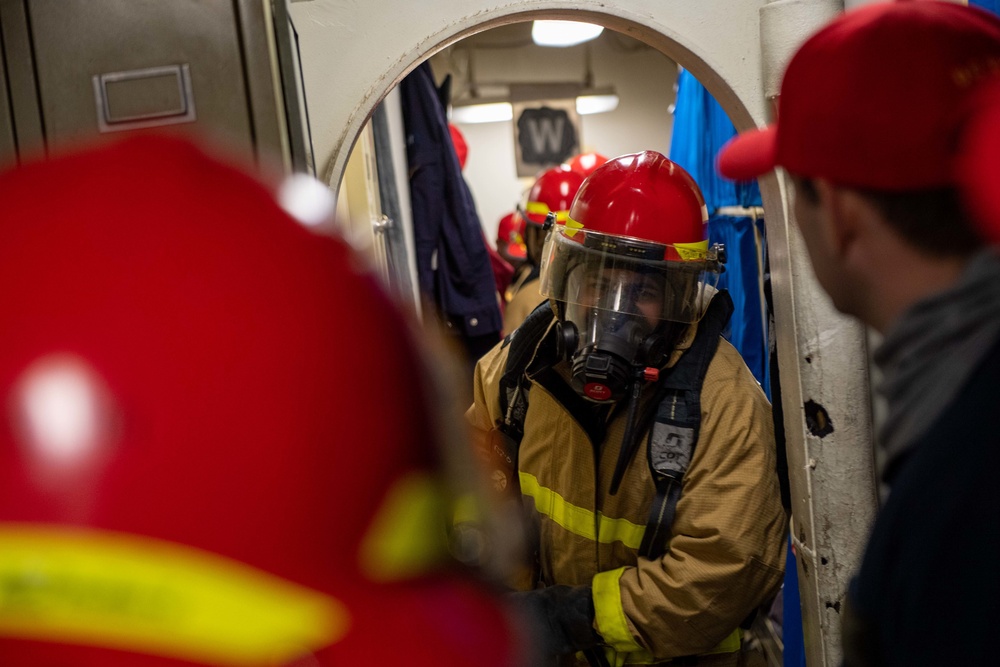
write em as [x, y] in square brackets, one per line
[353, 53]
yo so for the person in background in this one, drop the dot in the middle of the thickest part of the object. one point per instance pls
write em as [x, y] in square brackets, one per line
[552, 192]
[510, 239]
[639, 441]
[199, 463]
[869, 116]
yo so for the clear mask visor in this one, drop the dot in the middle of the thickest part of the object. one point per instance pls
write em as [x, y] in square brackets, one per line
[628, 277]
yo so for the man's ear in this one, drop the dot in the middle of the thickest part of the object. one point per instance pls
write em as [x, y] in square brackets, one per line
[843, 213]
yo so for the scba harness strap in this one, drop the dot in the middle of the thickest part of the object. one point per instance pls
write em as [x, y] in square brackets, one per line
[674, 433]
[675, 430]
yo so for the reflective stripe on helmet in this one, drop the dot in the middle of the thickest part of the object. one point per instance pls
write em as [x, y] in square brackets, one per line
[143, 595]
[542, 209]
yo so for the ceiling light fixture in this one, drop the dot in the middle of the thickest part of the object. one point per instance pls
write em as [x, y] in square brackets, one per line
[563, 33]
[596, 100]
[482, 111]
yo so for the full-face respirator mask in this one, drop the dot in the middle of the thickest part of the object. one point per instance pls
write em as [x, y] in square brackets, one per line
[621, 306]
[606, 349]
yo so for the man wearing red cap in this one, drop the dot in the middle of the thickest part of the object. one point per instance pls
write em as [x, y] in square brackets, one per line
[868, 118]
[510, 239]
[198, 464]
[552, 192]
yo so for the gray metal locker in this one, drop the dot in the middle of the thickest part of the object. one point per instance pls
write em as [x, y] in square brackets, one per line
[83, 69]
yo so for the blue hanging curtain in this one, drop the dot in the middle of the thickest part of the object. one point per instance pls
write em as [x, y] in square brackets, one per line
[988, 5]
[701, 128]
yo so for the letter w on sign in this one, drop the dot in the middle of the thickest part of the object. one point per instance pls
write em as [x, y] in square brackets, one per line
[545, 136]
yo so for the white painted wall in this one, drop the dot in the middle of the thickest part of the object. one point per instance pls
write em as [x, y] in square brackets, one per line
[354, 51]
[642, 76]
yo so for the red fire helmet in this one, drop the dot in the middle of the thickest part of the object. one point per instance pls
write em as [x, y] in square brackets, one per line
[636, 215]
[553, 191]
[585, 163]
[643, 196]
[510, 230]
[218, 442]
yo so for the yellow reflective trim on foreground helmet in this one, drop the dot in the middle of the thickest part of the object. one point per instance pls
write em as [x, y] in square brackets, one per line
[578, 520]
[144, 595]
[692, 251]
[466, 510]
[571, 227]
[408, 535]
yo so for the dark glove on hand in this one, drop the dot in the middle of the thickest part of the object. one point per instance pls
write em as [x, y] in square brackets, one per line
[562, 617]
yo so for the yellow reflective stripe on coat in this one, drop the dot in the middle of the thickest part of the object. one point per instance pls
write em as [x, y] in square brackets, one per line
[609, 616]
[580, 521]
[139, 594]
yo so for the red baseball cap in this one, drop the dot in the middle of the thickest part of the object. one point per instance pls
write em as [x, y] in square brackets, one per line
[978, 162]
[871, 100]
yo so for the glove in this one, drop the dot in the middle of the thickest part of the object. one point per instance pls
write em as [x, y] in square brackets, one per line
[561, 617]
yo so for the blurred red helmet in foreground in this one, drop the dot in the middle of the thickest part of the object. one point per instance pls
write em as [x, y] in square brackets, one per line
[217, 441]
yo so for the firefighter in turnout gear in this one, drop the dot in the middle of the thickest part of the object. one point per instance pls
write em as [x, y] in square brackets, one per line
[640, 443]
[552, 192]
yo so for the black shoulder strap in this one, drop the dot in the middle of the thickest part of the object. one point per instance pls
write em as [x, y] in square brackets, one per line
[674, 433]
[513, 383]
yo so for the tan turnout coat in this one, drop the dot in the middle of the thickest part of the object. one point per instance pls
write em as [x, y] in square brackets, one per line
[727, 550]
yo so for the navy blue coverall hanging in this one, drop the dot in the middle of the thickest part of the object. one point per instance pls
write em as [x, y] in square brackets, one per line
[453, 265]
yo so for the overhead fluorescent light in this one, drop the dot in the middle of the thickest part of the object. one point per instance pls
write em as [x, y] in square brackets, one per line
[596, 101]
[498, 110]
[487, 112]
[563, 33]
